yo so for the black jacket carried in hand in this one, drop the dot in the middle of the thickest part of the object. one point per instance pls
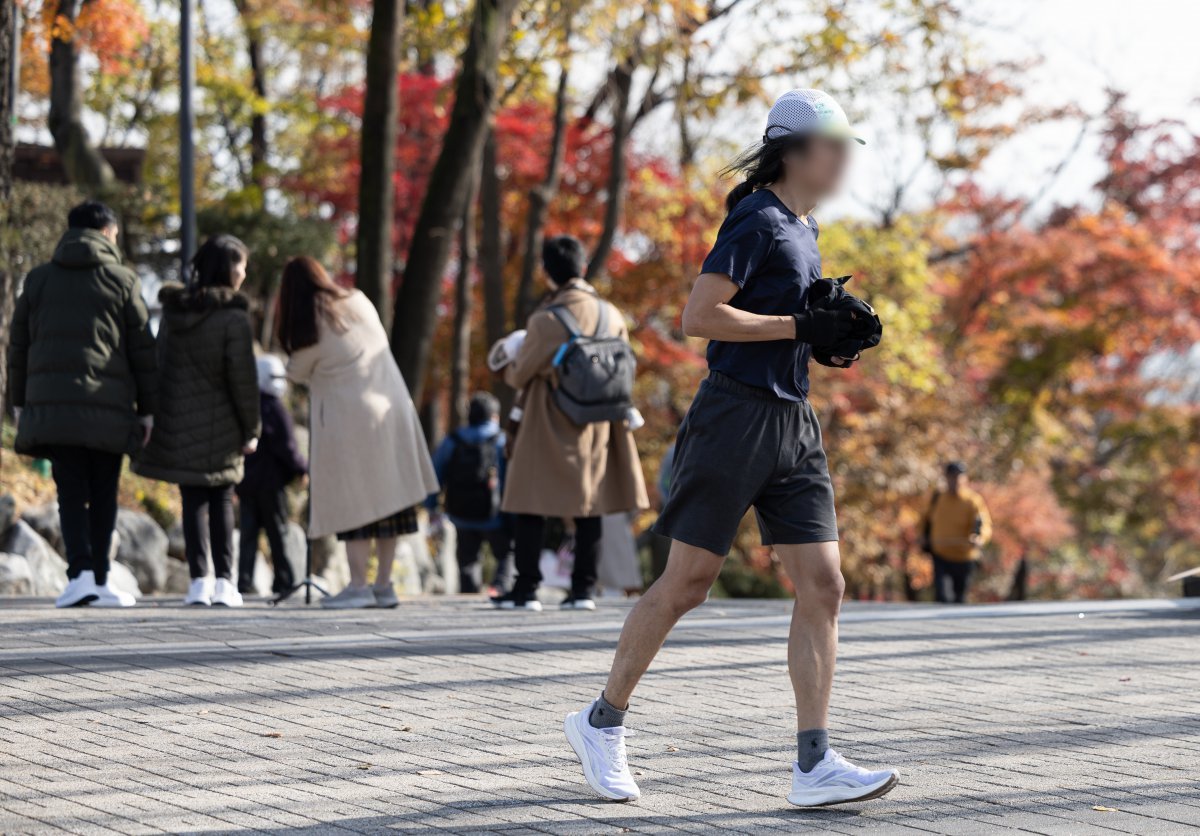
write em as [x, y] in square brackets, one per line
[208, 388]
[81, 355]
[277, 461]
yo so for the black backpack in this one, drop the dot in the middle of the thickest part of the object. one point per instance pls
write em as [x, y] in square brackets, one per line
[473, 479]
[595, 374]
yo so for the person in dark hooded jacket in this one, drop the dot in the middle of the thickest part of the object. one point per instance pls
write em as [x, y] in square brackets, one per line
[209, 419]
[81, 368]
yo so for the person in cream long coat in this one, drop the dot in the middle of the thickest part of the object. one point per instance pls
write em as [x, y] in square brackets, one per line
[369, 466]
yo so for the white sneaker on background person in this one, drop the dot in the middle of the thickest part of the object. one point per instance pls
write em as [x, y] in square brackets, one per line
[80, 591]
[385, 596]
[602, 754]
[350, 598]
[200, 592]
[577, 604]
[834, 780]
[225, 594]
[108, 596]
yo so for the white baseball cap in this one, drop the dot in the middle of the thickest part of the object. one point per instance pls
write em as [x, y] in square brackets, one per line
[807, 112]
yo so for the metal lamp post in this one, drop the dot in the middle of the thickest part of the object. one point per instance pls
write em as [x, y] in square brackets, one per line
[187, 148]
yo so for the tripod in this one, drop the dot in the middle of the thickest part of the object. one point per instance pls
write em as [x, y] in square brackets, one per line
[308, 584]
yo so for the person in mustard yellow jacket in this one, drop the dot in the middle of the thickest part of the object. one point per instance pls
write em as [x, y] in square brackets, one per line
[956, 526]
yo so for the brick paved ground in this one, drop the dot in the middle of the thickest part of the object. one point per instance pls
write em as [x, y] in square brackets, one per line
[444, 715]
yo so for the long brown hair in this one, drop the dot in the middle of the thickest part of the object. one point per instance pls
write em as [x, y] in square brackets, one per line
[307, 295]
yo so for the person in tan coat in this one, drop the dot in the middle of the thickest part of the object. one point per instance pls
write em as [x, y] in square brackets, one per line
[369, 466]
[558, 468]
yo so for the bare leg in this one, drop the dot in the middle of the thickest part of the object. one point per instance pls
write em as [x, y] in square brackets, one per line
[358, 554]
[385, 549]
[683, 586]
[815, 571]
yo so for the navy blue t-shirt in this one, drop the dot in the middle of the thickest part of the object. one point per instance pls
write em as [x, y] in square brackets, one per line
[772, 257]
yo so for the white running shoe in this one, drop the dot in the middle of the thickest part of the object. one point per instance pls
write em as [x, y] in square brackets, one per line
[225, 594]
[107, 596]
[200, 592]
[602, 753]
[80, 591]
[350, 598]
[834, 780]
[577, 604]
[385, 596]
[512, 601]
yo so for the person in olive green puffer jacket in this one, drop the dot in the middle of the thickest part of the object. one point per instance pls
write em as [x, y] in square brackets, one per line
[208, 417]
[81, 368]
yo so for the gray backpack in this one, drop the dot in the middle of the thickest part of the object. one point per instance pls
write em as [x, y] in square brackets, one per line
[595, 374]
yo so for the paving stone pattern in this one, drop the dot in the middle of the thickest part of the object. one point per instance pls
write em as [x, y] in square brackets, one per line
[444, 715]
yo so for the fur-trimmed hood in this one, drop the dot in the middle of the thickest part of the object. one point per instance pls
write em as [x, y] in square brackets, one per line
[177, 297]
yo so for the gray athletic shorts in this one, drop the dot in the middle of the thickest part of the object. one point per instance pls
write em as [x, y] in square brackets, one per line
[741, 447]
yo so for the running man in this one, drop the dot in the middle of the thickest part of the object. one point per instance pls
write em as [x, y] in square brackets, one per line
[753, 410]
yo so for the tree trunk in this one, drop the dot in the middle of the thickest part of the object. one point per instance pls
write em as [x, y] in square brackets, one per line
[491, 245]
[622, 81]
[259, 142]
[539, 201]
[450, 187]
[460, 361]
[376, 194]
[83, 163]
[8, 278]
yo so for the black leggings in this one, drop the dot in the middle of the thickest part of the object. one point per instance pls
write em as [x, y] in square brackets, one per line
[528, 533]
[208, 528]
[264, 511]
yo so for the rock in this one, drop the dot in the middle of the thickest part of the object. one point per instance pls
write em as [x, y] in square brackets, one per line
[330, 565]
[179, 577]
[415, 571]
[16, 578]
[176, 547]
[44, 520]
[143, 549]
[122, 577]
[44, 573]
[8, 512]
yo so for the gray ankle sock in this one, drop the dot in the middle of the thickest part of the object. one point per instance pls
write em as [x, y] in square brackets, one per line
[605, 715]
[810, 748]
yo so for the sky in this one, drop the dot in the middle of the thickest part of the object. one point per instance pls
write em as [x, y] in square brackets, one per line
[1147, 48]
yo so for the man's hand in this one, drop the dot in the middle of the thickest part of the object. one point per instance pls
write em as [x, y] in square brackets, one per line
[147, 424]
[250, 446]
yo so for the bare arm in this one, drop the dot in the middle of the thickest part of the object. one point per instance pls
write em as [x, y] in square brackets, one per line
[708, 315]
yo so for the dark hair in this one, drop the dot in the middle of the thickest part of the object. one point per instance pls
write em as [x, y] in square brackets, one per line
[213, 263]
[760, 165]
[307, 294]
[483, 407]
[564, 258]
[92, 214]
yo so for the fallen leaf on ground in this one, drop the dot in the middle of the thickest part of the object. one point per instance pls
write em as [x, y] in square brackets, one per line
[384, 705]
[273, 734]
[430, 772]
[202, 711]
[1125, 679]
[364, 766]
[406, 728]
[1102, 809]
[672, 748]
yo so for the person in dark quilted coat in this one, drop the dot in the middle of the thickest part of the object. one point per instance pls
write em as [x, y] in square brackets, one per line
[208, 417]
[81, 368]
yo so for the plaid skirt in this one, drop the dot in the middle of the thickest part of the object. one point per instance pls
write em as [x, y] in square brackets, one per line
[398, 524]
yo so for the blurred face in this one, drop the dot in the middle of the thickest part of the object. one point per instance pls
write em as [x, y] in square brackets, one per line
[819, 167]
[238, 273]
[956, 482]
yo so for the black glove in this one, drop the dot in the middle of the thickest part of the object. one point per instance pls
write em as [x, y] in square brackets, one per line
[824, 327]
[865, 330]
